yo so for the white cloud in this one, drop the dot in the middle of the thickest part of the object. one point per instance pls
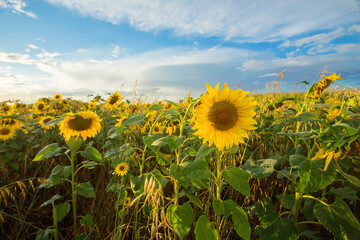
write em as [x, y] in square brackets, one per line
[16, 6]
[268, 75]
[255, 21]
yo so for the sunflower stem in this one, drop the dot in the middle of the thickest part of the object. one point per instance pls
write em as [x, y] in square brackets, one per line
[218, 188]
[73, 159]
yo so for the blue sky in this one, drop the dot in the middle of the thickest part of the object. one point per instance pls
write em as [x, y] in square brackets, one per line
[168, 49]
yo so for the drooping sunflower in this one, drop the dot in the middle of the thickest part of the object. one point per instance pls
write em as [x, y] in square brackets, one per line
[6, 109]
[12, 122]
[45, 120]
[223, 117]
[7, 132]
[84, 124]
[121, 169]
[113, 101]
[58, 96]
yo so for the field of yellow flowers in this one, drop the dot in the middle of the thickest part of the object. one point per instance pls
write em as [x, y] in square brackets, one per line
[228, 165]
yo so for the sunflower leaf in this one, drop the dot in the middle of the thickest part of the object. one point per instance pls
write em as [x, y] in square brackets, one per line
[204, 230]
[237, 178]
[85, 189]
[180, 218]
[93, 154]
[48, 151]
[135, 119]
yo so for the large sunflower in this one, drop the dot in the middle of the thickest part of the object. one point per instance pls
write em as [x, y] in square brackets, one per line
[6, 132]
[113, 101]
[224, 117]
[11, 122]
[84, 124]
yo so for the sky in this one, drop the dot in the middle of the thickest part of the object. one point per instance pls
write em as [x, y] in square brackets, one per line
[168, 50]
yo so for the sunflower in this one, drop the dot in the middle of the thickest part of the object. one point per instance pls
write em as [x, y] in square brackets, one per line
[12, 122]
[127, 202]
[57, 96]
[84, 124]
[7, 132]
[40, 107]
[45, 120]
[121, 169]
[157, 129]
[224, 117]
[91, 105]
[113, 100]
[168, 106]
[6, 109]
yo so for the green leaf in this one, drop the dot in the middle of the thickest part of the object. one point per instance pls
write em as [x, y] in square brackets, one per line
[93, 154]
[135, 119]
[338, 219]
[289, 200]
[74, 143]
[44, 234]
[218, 207]
[155, 107]
[48, 151]
[88, 219]
[237, 178]
[177, 172]
[272, 226]
[312, 178]
[85, 189]
[204, 151]
[148, 140]
[180, 218]
[229, 206]
[204, 230]
[89, 164]
[197, 169]
[344, 193]
[261, 168]
[51, 201]
[172, 115]
[195, 199]
[172, 141]
[54, 121]
[352, 179]
[305, 117]
[62, 210]
[59, 171]
[241, 223]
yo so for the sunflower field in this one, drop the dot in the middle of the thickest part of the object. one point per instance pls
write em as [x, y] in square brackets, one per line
[228, 165]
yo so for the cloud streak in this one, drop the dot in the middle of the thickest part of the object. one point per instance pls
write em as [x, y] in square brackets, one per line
[252, 21]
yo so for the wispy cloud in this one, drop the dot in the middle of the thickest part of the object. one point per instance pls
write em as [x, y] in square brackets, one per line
[16, 6]
[254, 21]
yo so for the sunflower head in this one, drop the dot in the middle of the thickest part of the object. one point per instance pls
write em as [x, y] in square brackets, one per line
[223, 117]
[91, 105]
[40, 107]
[45, 120]
[6, 109]
[12, 122]
[121, 169]
[157, 129]
[82, 124]
[7, 132]
[113, 101]
[57, 96]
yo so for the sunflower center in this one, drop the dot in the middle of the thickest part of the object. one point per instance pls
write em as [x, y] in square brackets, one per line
[79, 123]
[122, 168]
[156, 129]
[113, 100]
[47, 120]
[223, 115]
[41, 106]
[6, 108]
[4, 131]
